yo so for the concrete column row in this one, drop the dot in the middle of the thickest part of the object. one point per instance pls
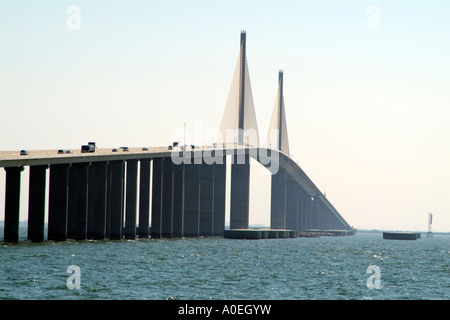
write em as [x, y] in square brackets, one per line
[293, 208]
[188, 199]
[86, 201]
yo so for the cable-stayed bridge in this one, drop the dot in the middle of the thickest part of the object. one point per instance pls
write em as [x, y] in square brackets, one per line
[106, 194]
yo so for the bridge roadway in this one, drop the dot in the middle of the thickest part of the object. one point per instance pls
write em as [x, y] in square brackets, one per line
[187, 200]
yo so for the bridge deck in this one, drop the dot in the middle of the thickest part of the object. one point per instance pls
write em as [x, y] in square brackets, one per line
[39, 157]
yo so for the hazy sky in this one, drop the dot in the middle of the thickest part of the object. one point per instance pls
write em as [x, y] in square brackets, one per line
[366, 85]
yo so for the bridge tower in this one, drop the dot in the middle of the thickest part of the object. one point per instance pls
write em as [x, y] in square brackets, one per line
[277, 137]
[239, 129]
[283, 190]
[239, 126]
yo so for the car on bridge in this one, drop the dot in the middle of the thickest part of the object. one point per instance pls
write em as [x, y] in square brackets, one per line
[24, 152]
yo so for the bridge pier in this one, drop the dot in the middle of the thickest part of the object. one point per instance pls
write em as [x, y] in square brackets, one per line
[144, 198]
[291, 205]
[240, 192]
[303, 210]
[12, 204]
[131, 200]
[36, 203]
[206, 200]
[78, 201]
[314, 220]
[58, 202]
[97, 200]
[117, 194]
[314, 214]
[91, 203]
[177, 205]
[306, 200]
[278, 200]
[322, 218]
[191, 199]
[219, 197]
[157, 192]
[167, 199]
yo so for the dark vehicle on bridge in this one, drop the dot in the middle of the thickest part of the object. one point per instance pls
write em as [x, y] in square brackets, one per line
[23, 152]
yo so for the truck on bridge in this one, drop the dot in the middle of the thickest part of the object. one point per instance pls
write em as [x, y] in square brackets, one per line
[90, 147]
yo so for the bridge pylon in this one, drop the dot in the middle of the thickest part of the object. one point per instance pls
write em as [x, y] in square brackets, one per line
[239, 128]
[281, 185]
[277, 136]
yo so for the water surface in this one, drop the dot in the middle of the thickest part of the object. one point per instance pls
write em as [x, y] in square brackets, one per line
[217, 268]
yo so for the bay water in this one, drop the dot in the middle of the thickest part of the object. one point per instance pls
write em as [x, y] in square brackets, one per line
[360, 267]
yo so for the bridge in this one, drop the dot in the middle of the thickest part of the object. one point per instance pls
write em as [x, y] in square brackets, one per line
[96, 195]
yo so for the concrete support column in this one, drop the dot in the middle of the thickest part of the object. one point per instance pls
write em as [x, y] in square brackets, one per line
[240, 192]
[157, 192]
[278, 200]
[302, 210]
[91, 202]
[322, 220]
[337, 225]
[78, 201]
[299, 210]
[206, 200]
[318, 214]
[220, 176]
[292, 205]
[58, 202]
[108, 199]
[117, 193]
[131, 200]
[308, 212]
[72, 201]
[144, 198]
[12, 204]
[326, 218]
[97, 200]
[191, 199]
[36, 203]
[178, 201]
[167, 199]
[314, 211]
